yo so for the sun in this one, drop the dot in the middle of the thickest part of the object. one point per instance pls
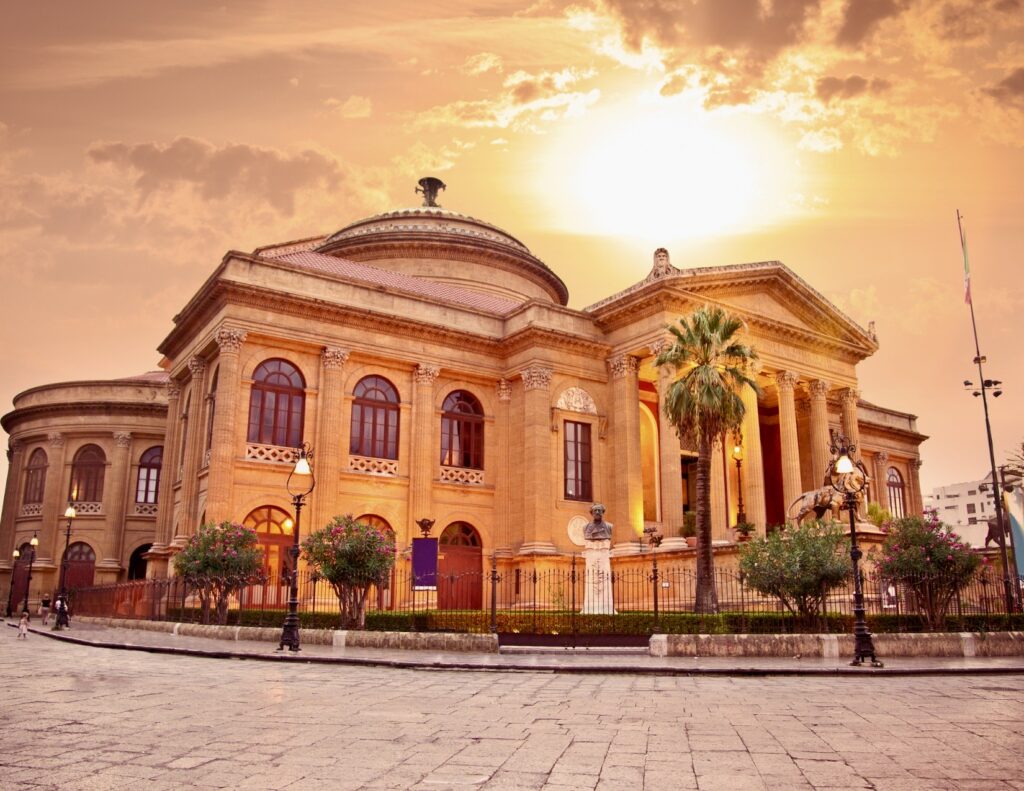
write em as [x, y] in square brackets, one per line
[669, 172]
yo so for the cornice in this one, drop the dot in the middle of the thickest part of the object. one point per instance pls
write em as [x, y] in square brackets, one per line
[107, 408]
[531, 337]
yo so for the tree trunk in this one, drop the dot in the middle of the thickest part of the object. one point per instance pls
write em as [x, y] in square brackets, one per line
[707, 596]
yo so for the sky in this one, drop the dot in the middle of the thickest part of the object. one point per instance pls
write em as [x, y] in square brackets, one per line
[141, 141]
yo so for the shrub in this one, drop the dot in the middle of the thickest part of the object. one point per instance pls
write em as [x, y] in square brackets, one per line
[220, 560]
[351, 556]
[877, 515]
[798, 565]
[931, 560]
[689, 528]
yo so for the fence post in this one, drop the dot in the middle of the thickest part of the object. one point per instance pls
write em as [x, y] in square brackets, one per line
[573, 626]
[654, 578]
[494, 594]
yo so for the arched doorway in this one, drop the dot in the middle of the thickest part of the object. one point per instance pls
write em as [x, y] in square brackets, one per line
[81, 565]
[273, 528]
[384, 598]
[460, 568]
[19, 579]
[137, 563]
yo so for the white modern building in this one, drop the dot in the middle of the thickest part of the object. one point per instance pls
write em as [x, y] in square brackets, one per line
[967, 507]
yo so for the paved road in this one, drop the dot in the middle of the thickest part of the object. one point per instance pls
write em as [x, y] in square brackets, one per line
[75, 717]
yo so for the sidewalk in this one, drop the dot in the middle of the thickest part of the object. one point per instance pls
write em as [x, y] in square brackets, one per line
[541, 660]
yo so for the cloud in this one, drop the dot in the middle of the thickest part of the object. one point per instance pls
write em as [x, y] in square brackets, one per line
[862, 17]
[821, 141]
[829, 88]
[216, 172]
[1009, 90]
[352, 107]
[482, 63]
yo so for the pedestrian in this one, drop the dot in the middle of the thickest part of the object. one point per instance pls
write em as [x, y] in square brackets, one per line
[62, 613]
[23, 626]
[44, 608]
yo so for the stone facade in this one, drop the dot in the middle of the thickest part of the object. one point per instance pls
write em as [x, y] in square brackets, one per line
[433, 303]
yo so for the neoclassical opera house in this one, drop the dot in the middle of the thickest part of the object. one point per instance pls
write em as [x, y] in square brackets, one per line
[433, 364]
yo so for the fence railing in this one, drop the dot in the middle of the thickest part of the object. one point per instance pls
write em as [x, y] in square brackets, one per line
[636, 600]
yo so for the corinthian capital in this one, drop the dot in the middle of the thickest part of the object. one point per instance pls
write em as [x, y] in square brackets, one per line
[849, 396]
[537, 377]
[818, 388]
[196, 365]
[122, 439]
[658, 346]
[333, 357]
[229, 340]
[426, 374]
[622, 365]
[786, 380]
[504, 390]
[56, 439]
[173, 390]
[882, 457]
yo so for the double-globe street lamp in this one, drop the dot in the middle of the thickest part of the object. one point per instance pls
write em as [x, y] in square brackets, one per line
[737, 454]
[301, 483]
[62, 597]
[850, 478]
[32, 544]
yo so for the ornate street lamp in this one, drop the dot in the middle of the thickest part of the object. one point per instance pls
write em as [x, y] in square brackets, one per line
[33, 543]
[737, 453]
[10, 593]
[62, 597]
[850, 478]
[300, 483]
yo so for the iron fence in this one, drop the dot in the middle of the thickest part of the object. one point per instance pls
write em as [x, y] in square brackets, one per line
[641, 599]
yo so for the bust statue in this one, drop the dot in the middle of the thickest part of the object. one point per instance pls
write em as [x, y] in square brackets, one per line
[597, 529]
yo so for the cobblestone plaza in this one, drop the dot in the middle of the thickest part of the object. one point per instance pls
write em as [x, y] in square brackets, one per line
[83, 718]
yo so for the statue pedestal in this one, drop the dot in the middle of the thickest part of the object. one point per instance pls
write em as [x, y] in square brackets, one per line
[597, 579]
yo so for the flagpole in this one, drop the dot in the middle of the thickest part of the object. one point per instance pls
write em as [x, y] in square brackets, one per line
[983, 387]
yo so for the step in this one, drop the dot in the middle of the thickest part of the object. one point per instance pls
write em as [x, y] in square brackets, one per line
[579, 649]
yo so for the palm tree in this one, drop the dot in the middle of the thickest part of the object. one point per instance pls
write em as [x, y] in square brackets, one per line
[712, 369]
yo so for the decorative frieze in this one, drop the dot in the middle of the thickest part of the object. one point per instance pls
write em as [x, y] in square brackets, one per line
[372, 466]
[122, 439]
[333, 357]
[277, 454]
[229, 340]
[576, 399]
[426, 374]
[537, 377]
[504, 390]
[56, 439]
[623, 365]
[462, 475]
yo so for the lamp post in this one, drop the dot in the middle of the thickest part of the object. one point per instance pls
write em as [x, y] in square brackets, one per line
[849, 478]
[737, 453]
[10, 593]
[300, 483]
[62, 597]
[33, 543]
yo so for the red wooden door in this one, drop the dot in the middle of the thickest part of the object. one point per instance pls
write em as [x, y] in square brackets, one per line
[19, 584]
[460, 569]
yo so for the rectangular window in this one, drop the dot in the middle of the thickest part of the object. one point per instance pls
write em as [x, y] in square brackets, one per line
[971, 508]
[972, 492]
[578, 484]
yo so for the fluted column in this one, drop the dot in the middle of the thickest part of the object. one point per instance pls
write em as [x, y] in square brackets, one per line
[329, 453]
[12, 502]
[115, 502]
[818, 393]
[627, 510]
[421, 488]
[219, 481]
[719, 506]
[159, 554]
[753, 463]
[848, 397]
[55, 497]
[193, 452]
[668, 452]
[916, 499]
[786, 382]
[880, 486]
[537, 472]
[500, 470]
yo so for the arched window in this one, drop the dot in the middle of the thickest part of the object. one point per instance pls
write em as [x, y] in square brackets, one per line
[148, 485]
[375, 419]
[460, 534]
[378, 523]
[35, 477]
[897, 503]
[273, 528]
[462, 431]
[87, 475]
[211, 408]
[277, 404]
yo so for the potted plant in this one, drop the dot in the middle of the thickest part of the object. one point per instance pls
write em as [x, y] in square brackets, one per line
[689, 528]
[744, 531]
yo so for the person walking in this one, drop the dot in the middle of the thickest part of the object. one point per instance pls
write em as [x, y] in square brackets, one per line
[23, 626]
[44, 608]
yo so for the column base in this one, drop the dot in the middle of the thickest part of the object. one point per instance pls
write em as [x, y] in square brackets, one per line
[538, 548]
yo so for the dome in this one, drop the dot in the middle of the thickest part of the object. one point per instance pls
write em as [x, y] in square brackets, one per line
[439, 244]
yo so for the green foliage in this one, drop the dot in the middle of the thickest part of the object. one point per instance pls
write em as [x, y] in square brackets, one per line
[745, 528]
[798, 565]
[219, 560]
[351, 556]
[929, 559]
[877, 515]
[689, 528]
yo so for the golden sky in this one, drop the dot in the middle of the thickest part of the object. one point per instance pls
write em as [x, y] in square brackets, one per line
[140, 141]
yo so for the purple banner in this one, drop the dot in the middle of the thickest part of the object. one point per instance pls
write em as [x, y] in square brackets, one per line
[424, 563]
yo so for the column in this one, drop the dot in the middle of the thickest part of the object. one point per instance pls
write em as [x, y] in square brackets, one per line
[627, 510]
[114, 506]
[753, 463]
[668, 450]
[15, 459]
[328, 453]
[719, 506]
[193, 452]
[786, 382]
[501, 469]
[55, 499]
[421, 488]
[916, 500]
[818, 393]
[537, 473]
[220, 478]
[157, 557]
[848, 397]
[879, 485]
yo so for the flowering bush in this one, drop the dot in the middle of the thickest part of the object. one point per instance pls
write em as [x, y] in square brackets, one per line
[930, 560]
[220, 560]
[351, 556]
[798, 565]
